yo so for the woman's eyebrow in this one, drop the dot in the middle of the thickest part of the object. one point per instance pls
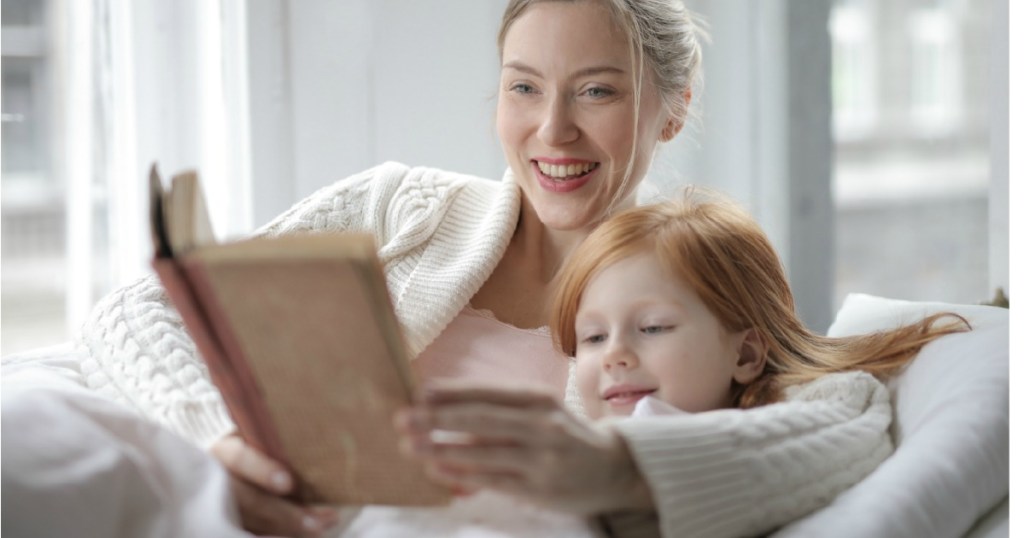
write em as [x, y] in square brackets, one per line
[586, 71]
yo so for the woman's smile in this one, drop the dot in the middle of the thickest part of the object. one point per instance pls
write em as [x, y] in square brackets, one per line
[564, 175]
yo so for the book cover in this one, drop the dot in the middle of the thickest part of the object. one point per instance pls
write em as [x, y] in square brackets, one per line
[299, 335]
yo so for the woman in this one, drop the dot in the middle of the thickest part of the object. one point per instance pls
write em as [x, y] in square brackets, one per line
[587, 91]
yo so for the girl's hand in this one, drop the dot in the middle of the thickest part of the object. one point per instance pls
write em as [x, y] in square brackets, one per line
[258, 485]
[525, 443]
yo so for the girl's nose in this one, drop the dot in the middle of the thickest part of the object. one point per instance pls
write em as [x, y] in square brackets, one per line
[559, 126]
[620, 355]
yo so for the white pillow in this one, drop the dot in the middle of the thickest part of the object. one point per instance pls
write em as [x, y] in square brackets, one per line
[951, 428]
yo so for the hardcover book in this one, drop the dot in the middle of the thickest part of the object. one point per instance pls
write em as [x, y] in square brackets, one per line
[300, 337]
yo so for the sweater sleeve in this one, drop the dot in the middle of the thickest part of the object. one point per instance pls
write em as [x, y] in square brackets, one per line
[138, 352]
[746, 472]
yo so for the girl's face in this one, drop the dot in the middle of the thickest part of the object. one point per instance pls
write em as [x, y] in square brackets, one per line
[641, 332]
[566, 112]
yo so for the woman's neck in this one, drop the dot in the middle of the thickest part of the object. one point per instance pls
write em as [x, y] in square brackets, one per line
[543, 249]
[518, 288]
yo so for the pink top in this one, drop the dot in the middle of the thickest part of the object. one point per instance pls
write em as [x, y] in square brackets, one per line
[478, 347]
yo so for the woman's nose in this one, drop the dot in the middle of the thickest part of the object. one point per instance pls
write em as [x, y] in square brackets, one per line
[558, 126]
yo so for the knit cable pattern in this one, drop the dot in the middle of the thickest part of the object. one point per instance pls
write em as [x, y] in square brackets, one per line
[746, 472]
[440, 236]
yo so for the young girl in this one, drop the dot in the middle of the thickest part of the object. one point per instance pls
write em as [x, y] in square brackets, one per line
[687, 301]
[684, 307]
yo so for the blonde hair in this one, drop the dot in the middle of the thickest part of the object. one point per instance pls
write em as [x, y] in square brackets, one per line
[663, 36]
[714, 246]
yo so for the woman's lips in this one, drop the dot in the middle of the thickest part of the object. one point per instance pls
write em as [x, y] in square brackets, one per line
[562, 184]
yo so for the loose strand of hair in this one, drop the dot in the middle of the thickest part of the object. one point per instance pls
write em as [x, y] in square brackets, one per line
[883, 354]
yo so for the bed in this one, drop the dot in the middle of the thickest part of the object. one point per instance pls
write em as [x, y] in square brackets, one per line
[949, 475]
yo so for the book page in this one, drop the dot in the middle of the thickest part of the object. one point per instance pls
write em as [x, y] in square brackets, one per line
[185, 215]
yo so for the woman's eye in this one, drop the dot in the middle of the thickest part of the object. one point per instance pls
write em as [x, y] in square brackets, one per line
[522, 87]
[597, 92]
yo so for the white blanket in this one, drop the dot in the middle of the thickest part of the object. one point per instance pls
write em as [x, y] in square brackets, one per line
[77, 465]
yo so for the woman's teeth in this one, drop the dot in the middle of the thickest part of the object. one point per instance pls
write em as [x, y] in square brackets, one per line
[560, 171]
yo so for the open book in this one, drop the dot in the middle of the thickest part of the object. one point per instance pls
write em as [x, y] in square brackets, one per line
[299, 335]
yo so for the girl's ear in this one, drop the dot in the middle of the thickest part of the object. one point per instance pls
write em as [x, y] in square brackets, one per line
[752, 357]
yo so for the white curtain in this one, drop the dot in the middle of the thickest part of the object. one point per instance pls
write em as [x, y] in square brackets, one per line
[148, 81]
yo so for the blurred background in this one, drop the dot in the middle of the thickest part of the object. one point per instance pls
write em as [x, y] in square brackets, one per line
[869, 137]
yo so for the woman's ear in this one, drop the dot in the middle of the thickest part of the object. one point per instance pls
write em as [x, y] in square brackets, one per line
[671, 129]
[752, 357]
[676, 120]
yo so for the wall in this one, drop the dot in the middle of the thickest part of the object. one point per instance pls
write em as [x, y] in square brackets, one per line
[337, 87]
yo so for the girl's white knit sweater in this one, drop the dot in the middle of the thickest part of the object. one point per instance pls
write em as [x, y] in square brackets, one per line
[441, 235]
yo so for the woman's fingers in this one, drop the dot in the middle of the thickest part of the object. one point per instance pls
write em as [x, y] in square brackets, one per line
[476, 457]
[477, 466]
[264, 513]
[526, 446]
[487, 422]
[531, 485]
[258, 484]
[244, 461]
[529, 446]
[470, 481]
[442, 393]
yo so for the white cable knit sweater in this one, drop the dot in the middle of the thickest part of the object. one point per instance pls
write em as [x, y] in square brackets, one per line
[441, 235]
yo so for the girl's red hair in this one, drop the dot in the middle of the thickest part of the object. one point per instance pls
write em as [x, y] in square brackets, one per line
[714, 246]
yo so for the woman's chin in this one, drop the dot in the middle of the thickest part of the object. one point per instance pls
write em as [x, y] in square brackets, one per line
[563, 219]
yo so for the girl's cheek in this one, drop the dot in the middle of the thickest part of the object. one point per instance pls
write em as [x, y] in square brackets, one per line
[588, 383]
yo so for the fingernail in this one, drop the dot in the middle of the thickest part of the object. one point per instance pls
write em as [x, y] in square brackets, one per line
[281, 481]
[403, 420]
[310, 523]
[405, 446]
[425, 393]
[419, 419]
[329, 518]
[421, 446]
[411, 420]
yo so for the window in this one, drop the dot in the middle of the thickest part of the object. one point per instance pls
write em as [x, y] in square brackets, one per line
[936, 83]
[911, 184]
[34, 217]
[854, 70]
[86, 110]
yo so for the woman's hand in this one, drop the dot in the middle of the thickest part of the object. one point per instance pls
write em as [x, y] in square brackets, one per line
[525, 443]
[258, 484]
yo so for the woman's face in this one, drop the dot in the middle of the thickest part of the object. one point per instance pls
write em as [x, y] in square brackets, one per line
[566, 112]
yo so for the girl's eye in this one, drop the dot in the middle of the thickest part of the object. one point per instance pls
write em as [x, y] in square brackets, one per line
[655, 329]
[592, 339]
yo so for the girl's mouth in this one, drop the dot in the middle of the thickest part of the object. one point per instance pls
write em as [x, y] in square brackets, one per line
[625, 395]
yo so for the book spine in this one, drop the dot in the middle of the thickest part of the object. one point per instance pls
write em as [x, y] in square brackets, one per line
[191, 294]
